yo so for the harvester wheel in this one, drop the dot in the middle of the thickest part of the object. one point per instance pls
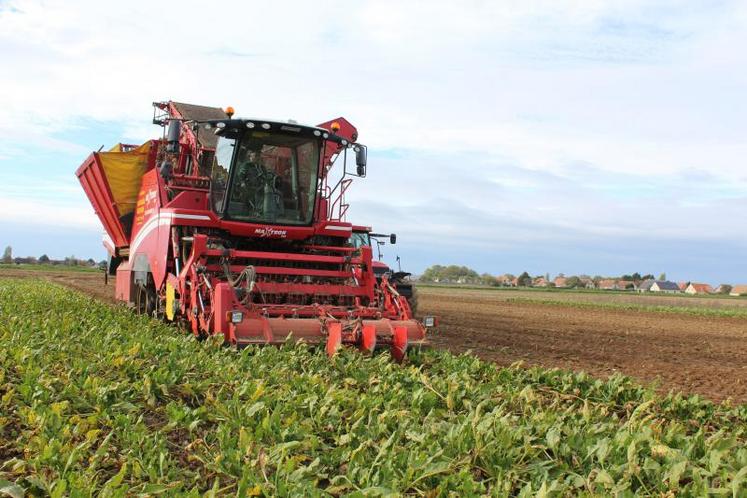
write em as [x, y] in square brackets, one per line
[145, 300]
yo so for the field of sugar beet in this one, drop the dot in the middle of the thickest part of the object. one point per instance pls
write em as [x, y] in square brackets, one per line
[97, 401]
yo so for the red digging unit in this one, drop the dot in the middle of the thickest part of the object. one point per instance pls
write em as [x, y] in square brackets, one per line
[234, 227]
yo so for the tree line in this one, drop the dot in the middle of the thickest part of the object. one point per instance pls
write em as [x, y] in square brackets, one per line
[8, 258]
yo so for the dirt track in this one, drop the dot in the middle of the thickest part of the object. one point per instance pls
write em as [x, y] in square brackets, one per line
[694, 354]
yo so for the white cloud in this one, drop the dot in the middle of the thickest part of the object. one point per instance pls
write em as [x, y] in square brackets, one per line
[515, 114]
[36, 212]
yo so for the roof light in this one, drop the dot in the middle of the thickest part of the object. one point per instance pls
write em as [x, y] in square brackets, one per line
[250, 125]
[335, 127]
[317, 133]
[229, 111]
[208, 126]
[220, 125]
[325, 135]
[266, 126]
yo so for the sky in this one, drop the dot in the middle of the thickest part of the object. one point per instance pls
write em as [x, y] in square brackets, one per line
[552, 136]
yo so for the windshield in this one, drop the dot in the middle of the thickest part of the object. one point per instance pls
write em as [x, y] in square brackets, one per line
[359, 239]
[273, 178]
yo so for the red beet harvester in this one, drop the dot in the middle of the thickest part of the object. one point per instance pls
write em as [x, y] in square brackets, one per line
[235, 227]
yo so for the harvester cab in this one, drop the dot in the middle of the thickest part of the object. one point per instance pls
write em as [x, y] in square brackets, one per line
[235, 227]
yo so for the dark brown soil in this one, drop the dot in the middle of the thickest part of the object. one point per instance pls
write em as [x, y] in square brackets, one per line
[684, 352]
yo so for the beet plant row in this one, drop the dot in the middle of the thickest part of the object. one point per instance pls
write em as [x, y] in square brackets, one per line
[95, 401]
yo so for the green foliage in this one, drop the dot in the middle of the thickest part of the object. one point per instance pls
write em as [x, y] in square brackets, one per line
[574, 282]
[524, 280]
[450, 274]
[95, 401]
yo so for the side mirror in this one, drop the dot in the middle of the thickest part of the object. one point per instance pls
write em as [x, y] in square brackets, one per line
[360, 160]
[393, 238]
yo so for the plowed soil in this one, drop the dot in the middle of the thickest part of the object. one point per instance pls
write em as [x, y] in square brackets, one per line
[683, 352]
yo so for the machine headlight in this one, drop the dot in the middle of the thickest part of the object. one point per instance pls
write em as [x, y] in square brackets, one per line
[429, 321]
[236, 316]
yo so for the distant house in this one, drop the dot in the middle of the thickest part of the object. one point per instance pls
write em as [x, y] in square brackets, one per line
[683, 285]
[506, 281]
[586, 282]
[645, 286]
[561, 282]
[722, 289]
[626, 285]
[25, 261]
[694, 288]
[665, 286]
[607, 284]
[738, 290]
[539, 282]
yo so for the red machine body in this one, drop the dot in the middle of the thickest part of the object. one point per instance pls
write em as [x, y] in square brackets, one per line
[234, 232]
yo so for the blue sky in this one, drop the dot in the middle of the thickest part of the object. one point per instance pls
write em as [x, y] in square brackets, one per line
[558, 136]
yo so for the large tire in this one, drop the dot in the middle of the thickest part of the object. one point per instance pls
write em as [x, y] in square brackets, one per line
[146, 300]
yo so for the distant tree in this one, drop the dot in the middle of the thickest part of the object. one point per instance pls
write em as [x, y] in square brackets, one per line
[8, 255]
[663, 276]
[488, 279]
[43, 259]
[647, 276]
[636, 276]
[627, 277]
[451, 273]
[573, 282]
[525, 280]
[725, 289]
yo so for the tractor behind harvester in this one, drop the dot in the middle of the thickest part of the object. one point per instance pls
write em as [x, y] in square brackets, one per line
[235, 227]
